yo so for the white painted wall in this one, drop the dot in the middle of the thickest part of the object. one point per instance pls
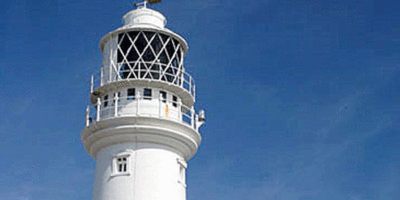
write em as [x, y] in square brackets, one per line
[154, 173]
[143, 16]
[150, 108]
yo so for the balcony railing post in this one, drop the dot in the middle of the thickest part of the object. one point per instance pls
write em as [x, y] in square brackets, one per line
[190, 84]
[180, 109]
[98, 109]
[194, 91]
[87, 121]
[116, 104]
[192, 116]
[183, 76]
[91, 84]
[160, 105]
[137, 104]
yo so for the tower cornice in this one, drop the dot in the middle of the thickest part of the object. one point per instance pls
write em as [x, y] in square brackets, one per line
[104, 133]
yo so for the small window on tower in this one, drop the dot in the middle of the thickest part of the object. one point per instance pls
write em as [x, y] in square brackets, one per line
[163, 95]
[121, 165]
[131, 93]
[105, 101]
[181, 173]
[174, 100]
[147, 93]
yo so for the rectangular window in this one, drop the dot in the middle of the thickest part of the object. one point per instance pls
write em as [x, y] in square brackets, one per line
[174, 101]
[131, 93]
[147, 93]
[163, 95]
[105, 101]
[120, 165]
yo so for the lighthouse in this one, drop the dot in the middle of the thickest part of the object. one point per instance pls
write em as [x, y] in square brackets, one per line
[141, 126]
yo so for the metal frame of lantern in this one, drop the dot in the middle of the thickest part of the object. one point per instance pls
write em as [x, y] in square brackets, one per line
[138, 54]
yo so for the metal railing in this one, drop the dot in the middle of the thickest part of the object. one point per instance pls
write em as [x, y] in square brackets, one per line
[144, 70]
[143, 106]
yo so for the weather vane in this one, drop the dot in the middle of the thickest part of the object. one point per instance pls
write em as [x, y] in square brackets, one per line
[145, 2]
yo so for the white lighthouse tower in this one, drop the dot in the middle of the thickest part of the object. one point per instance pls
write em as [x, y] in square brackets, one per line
[141, 127]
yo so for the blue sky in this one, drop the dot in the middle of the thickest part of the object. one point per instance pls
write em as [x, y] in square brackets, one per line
[302, 97]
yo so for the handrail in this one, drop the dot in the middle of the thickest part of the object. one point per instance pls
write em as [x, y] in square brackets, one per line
[154, 71]
[137, 106]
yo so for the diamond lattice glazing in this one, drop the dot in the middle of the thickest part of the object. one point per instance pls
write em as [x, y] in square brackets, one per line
[149, 55]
